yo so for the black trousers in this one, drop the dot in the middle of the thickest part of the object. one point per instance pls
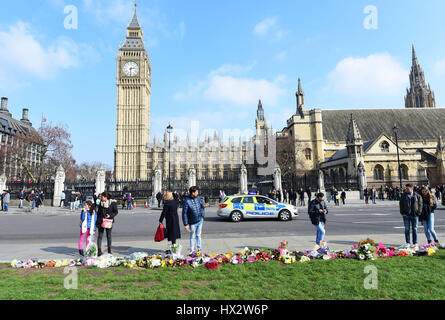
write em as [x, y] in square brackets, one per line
[100, 236]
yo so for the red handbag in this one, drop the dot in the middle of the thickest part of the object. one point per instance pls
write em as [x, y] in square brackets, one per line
[107, 223]
[160, 235]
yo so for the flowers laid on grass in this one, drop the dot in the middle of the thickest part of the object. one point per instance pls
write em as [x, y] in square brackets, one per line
[364, 250]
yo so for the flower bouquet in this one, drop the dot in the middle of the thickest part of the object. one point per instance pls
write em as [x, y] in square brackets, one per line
[176, 251]
[211, 265]
[283, 248]
[383, 252]
[366, 251]
[91, 251]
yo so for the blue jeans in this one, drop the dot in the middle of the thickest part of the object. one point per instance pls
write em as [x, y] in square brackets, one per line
[428, 226]
[320, 233]
[72, 206]
[411, 222]
[6, 206]
[195, 234]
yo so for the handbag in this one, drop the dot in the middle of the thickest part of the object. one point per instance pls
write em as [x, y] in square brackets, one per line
[160, 234]
[107, 223]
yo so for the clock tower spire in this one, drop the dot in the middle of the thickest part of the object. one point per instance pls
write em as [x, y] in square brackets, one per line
[133, 80]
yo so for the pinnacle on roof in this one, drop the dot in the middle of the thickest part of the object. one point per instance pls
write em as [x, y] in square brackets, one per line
[300, 90]
[134, 24]
[353, 136]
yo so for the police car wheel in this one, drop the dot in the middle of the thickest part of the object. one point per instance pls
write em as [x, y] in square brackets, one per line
[236, 216]
[285, 215]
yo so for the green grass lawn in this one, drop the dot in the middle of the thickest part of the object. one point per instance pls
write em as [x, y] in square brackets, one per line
[398, 278]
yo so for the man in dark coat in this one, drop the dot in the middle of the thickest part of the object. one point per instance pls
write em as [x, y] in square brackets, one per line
[159, 198]
[317, 212]
[411, 204]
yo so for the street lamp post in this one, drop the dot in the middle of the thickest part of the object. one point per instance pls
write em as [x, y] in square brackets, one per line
[169, 131]
[396, 129]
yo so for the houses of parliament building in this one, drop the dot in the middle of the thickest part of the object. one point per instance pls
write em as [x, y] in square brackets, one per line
[336, 143]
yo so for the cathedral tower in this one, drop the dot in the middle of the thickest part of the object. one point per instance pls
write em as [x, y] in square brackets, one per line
[419, 95]
[133, 81]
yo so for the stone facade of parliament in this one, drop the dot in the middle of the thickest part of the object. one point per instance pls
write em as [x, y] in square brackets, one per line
[335, 143]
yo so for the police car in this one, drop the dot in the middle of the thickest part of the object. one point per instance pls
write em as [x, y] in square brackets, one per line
[240, 207]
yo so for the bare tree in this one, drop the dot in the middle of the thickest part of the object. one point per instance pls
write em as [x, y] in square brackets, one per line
[286, 156]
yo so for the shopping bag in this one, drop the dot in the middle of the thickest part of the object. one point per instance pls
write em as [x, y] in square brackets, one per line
[160, 235]
[91, 251]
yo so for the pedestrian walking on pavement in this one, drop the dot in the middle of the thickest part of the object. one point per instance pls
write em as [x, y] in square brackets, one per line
[366, 195]
[193, 213]
[343, 196]
[21, 198]
[159, 198]
[428, 208]
[317, 212]
[170, 214]
[88, 227]
[6, 200]
[62, 200]
[72, 199]
[411, 205]
[107, 210]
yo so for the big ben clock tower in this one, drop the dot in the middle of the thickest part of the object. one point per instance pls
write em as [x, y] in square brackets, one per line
[133, 106]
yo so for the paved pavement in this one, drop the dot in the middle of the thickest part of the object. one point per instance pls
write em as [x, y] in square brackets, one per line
[52, 233]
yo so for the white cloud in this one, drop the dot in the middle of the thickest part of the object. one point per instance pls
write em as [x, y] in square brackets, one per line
[22, 51]
[242, 91]
[268, 26]
[229, 85]
[262, 28]
[378, 74]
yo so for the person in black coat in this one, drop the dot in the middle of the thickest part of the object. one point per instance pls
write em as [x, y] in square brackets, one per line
[170, 214]
[107, 210]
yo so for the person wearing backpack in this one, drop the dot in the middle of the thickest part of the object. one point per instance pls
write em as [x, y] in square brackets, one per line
[107, 210]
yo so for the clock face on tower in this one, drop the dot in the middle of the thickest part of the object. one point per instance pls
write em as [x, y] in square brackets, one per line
[131, 69]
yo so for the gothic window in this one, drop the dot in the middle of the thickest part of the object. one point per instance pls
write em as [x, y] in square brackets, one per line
[384, 146]
[308, 154]
[341, 173]
[378, 173]
[404, 172]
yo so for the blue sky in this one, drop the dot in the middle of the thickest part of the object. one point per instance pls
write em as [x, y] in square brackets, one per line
[213, 60]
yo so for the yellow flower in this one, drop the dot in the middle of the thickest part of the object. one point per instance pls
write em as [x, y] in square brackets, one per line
[198, 253]
[212, 255]
[229, 256]
[163, 264]
[13, 263]
[287, 260]
[304, 259]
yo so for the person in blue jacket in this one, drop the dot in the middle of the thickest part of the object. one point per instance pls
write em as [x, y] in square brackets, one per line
[193, 212]
[87, 224]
